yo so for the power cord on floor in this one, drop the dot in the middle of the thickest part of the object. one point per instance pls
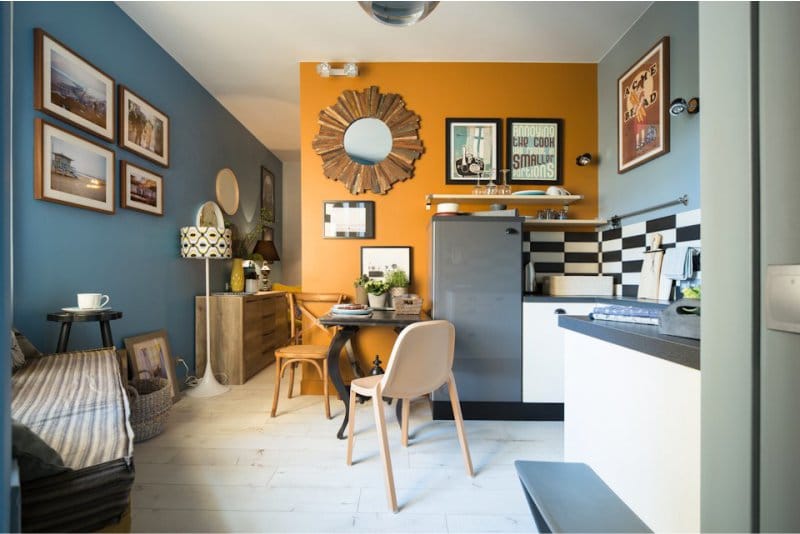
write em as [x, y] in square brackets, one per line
[192, 381]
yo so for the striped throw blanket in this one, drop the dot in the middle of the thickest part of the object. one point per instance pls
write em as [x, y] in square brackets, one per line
[76, 403]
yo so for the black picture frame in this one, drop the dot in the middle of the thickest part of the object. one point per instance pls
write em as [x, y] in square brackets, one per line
[458, 168]
[530, 153]
[348, 219]
[375, 261]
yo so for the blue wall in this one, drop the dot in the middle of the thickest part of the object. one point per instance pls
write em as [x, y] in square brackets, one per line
[677, 172]
[5, 260]
[133, 257]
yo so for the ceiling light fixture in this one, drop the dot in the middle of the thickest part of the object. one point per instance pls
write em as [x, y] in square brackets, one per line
[679, 105]
[348, 69]
[398, 13]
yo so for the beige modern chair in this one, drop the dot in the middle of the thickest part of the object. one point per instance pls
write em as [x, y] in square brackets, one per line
[290, 355]
[421, 361]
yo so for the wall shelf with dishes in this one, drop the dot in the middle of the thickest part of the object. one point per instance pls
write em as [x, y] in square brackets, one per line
[533, 222]
[526, 200]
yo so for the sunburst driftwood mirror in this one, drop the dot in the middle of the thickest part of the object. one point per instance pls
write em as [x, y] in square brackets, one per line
[368, 140]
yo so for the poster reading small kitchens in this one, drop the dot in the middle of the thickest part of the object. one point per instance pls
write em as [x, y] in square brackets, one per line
[642, 123]
[534, 151]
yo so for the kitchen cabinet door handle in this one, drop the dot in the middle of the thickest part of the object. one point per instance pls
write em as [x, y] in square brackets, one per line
[511, 231]
[560, 311]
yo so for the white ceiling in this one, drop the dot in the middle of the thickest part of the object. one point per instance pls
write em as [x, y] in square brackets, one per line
[246, 54]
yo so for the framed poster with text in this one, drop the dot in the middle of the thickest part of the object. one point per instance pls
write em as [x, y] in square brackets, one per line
[533, 151]
[642, 101]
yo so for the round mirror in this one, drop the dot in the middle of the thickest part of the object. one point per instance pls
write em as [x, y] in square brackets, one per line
[368, 141]
[228, 191]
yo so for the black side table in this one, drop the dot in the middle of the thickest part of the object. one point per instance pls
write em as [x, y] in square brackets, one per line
[67, 318]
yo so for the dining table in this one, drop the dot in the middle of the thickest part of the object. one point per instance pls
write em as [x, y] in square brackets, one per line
[347, 326]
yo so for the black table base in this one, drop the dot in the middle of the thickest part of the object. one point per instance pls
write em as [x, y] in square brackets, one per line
[67, 318]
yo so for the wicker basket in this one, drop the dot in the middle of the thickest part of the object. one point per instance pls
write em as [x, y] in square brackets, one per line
[150, 402]
[407, 305]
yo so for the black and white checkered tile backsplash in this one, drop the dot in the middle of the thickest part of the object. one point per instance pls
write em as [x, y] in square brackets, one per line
[615, 252]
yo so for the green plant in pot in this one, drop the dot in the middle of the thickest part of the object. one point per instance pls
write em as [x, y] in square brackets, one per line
[376, 293]
[361, 292]
[398, 283]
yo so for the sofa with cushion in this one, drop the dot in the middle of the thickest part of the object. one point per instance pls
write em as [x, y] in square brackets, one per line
[71, 438]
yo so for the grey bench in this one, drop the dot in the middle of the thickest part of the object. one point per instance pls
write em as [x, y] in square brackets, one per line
[570, 497]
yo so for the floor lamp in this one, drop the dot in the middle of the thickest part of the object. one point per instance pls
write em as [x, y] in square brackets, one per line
[206, 242]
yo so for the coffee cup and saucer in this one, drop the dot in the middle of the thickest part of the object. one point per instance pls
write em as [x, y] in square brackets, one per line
[90, 303]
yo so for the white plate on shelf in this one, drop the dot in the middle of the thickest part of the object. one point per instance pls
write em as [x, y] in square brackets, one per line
[75, 309]
[528, 192]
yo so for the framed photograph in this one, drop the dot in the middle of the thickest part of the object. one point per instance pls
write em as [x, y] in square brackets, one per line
[70, 88]
[347, 219]
[642, 103]
[150, 357]
[140, 189]
[473, 148]
[268, 198]
[143, 129]
[533, 151]
[72, 170]
[375, 261]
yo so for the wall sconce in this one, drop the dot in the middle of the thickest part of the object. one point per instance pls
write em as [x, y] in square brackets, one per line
[348, 69]
[583, 160]
[679, 105]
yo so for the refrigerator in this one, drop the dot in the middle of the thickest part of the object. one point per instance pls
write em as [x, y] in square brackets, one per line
[476, 284]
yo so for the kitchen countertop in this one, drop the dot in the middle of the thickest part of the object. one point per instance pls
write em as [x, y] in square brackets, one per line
[624, 301]
[639, 337]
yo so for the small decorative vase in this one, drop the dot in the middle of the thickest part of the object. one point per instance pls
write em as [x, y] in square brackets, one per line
[361, 295]
[237, 276]
[377, 301]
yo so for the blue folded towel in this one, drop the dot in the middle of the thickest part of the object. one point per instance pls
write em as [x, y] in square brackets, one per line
[678, 263]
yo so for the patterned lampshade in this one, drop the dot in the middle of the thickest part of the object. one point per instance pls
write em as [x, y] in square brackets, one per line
[205, 242]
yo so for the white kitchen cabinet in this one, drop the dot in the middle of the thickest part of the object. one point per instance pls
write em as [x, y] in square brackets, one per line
[543, 348]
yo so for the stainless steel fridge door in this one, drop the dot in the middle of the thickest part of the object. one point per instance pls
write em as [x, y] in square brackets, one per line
[477, 285]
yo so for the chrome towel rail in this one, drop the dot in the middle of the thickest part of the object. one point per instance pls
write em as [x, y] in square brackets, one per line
[615, 220]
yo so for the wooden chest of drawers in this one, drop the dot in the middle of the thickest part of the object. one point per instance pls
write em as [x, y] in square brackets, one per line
[245, 331]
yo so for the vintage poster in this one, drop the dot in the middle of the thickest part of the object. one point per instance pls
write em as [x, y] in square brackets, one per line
[643, 127]
[534, 151]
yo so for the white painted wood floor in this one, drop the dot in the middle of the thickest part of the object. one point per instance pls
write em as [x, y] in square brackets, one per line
[224, 465]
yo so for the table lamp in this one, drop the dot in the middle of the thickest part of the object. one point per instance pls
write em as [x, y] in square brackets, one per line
[207, 240]
[267, 251]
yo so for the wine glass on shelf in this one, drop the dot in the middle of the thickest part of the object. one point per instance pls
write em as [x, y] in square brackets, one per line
[491, 187]
[504, 188]
[478, 189]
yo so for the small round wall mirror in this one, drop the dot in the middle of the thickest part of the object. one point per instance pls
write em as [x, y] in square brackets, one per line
[368, 141]
[228, 191]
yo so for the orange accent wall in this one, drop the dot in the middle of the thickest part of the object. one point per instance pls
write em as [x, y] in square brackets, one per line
[434, 91]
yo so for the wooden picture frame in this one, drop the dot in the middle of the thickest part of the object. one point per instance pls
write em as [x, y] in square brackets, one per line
[68, 87]
[150, 357]
[140, 189]
[642, 109]
[348, 219]
[143, 128]
[268, 200]
[534, 151]
[375, 261]
[473, 146]
[71, 170]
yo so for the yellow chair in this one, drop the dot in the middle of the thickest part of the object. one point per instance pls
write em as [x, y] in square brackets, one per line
[421, 361]
[290, 355]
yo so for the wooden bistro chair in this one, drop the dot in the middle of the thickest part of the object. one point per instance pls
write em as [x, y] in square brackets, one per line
[296, 352]
[421, 361]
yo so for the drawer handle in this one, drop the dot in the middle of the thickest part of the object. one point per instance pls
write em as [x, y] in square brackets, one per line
[560, 311]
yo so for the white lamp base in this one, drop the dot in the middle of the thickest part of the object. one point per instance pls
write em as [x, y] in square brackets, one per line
[208, 386]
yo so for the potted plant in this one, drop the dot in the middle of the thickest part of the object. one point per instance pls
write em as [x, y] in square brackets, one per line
[398, 283]
[361, 292]
[376, 292]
